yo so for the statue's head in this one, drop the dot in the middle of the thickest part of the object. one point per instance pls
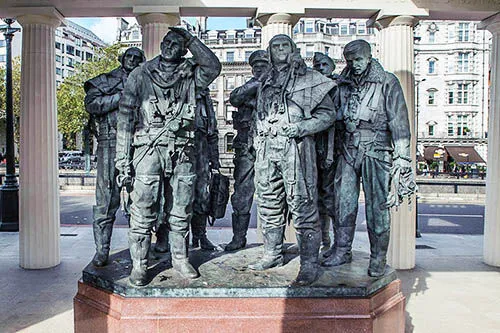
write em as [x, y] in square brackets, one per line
[173, 46]
[131, 58]
[280, 48]
[259, 60]
[323, 63]
[358, 55]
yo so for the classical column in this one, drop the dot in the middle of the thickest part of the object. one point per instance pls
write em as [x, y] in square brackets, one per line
[154, 28]
[38, 164]
[274, 24]
[396, 55]
[491, 251]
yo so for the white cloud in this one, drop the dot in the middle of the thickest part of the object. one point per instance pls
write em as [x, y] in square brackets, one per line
[106, 28]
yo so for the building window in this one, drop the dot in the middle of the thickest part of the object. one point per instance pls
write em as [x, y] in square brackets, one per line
[230, 56]
[432, 66]
[431, 130]
[463, 62]
[58, 58]
[88, 56]
[463, 93]
[135, 34]
[70, 62]
[343, 29]
[58, 45]
[361, 29]
[78, 42]
[230, 82]
[309, 27]
[309, 50]
[247, 55]
[352, 29]
[78, 53]
[431, 97]
[3, 57]
[2, 43]
[70, 49]
[249, 34]
[327, 50]
[462, 127]
[432, 36]
[450, 126]
[451, 33]
[213, 85]
[58, 71]
[450, 97]
[335, 29]
[229, 142]
[463, 32]
[229, 112]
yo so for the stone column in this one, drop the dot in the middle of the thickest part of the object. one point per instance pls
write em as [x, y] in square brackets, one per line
[396, 55]
[38, 169]
[274, 24]
[154, 28]
[491, 251]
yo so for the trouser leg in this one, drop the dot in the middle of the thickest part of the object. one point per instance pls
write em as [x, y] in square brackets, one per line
[242, 199]
[199, 230]
[162, 238]
[376, 177]
[346, 195]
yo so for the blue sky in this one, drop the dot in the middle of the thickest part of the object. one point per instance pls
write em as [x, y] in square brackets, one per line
[105, 27]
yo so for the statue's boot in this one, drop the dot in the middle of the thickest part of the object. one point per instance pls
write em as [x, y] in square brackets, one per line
[102, 237]
[179, 251]
[139, 250]
[273, 250]
[199, 229]
[343, 246]
[378, 253]
[309, 242]
[325, 233]
[333, 247]
[161, 245]
[240, 227]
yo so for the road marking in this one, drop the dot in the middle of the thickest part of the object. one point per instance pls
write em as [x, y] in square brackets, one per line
[451, 215]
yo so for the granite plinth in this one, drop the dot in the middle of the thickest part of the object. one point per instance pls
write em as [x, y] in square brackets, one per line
[229, 298]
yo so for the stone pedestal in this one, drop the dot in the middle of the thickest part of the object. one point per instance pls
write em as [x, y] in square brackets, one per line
[229, 298]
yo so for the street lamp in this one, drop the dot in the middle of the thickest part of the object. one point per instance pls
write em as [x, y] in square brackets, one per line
[9, 191]
[417, 111]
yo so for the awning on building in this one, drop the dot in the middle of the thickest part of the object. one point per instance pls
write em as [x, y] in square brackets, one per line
[464, 154]
[435, 153]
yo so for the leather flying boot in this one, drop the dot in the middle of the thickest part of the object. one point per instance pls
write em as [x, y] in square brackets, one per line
[179, 251]
[161, 245]
[273, 250]
[378, 253]
[240, 224]
[139, 250]
[102, 237]
[343, 246]
[309, 242]
[325, 233]
[199, 230]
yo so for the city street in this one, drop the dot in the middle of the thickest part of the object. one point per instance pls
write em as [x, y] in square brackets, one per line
[435, 217]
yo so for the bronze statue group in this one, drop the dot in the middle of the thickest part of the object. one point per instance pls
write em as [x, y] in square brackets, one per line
[305, 139]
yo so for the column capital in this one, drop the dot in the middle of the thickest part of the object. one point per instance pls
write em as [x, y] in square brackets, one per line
[54, 19]
[285, 18]
[171, 19]
[382, 22]
[491, 23]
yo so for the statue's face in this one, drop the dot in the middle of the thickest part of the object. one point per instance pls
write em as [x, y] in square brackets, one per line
[358, 62]
[280, 50]
[323, 66]
[131, 60]
[259, 68]
[172, 47]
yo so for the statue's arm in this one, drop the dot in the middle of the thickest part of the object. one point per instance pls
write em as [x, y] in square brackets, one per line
[322, 117]
[129, 104]
[244, 94]
[97, 103]
[397, 114]
[208, 65]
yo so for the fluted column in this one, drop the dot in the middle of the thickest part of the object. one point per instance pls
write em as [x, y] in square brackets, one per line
[274, 24]
[396, 55]
[154, 28]
[491, 250]
[38, 168]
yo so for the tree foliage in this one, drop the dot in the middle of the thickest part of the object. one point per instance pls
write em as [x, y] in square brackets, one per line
[16, 95]
[72, 117]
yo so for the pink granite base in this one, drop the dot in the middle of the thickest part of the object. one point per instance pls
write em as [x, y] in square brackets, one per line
[97, 310]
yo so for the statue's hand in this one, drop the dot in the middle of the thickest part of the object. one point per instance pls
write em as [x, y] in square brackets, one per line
[182, 32]
[291, 131]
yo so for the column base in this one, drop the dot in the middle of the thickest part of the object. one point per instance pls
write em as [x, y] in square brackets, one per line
[9, 209]
[229, 298]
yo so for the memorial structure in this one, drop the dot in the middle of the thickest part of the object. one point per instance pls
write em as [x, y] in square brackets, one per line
[101, 102]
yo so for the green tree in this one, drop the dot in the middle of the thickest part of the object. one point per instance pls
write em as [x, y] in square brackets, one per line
[72, 117]
[16, 96]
